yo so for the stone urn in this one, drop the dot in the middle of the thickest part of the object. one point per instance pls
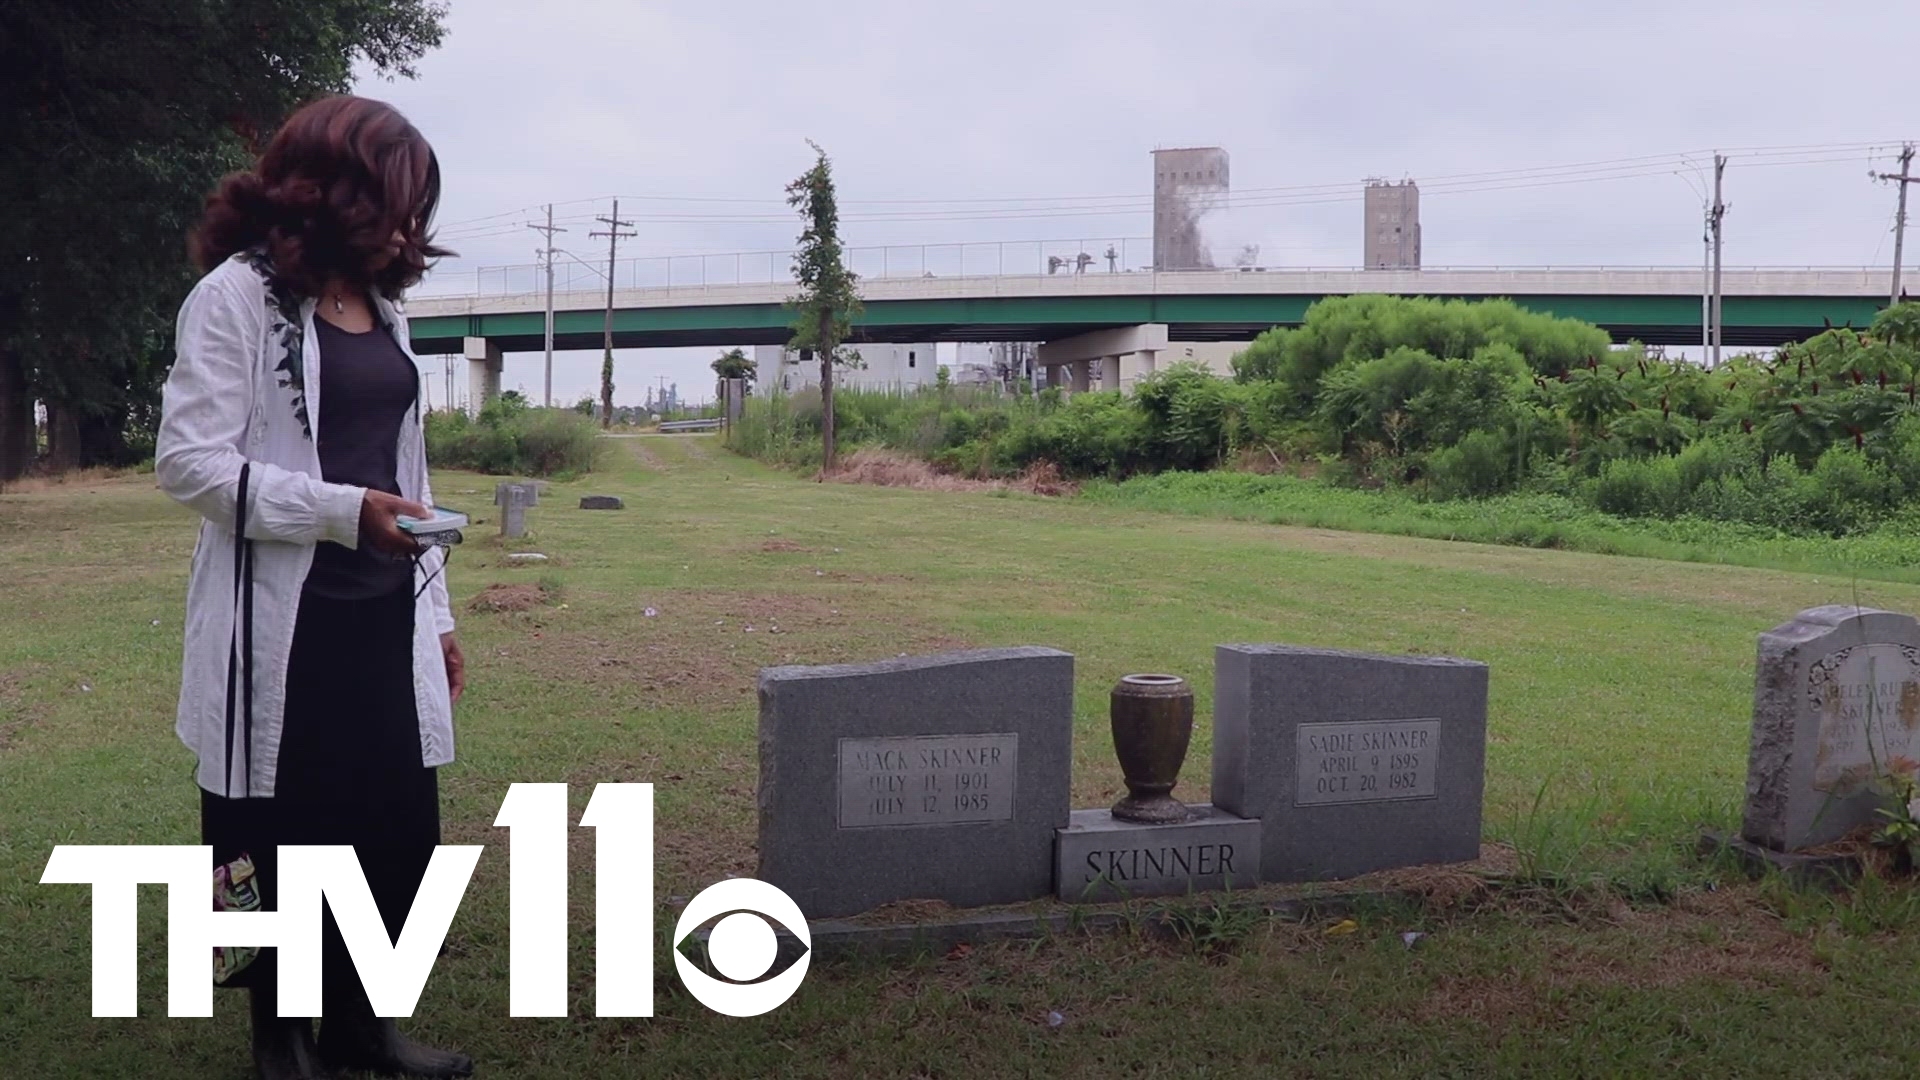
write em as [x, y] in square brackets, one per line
[1152, 719]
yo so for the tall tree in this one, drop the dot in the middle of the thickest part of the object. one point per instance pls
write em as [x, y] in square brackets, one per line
[735, 364]
[120, 118]
[828, 300]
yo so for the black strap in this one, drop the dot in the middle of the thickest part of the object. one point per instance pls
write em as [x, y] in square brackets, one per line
[240, 649]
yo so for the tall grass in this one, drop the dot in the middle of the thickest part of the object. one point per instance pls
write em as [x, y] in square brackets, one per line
[1889, 552]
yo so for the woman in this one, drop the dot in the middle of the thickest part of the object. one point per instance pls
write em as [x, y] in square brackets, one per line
[321, 665]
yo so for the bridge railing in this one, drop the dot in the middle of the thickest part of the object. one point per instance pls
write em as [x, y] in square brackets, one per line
[1045, 258]
[989, 259]
[989, 268]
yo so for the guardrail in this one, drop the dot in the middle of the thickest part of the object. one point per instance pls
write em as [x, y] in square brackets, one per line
[671, 426]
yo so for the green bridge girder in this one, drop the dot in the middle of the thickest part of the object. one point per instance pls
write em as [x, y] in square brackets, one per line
[1667, 320]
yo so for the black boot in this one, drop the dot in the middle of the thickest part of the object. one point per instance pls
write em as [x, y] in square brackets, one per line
[283, 1046]
[374, 1044]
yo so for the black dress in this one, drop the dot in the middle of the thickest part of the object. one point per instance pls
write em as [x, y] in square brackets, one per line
[349, 768]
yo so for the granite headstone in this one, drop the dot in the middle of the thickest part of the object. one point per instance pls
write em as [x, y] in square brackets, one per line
[1353, 762]
[513, 500]
[1103, 858]
[1836, 707]
[921, 778]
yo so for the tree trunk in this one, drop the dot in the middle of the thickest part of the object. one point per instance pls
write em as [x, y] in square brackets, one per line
[103, 441]
[828, 451]
[63, 438]
[17, 443]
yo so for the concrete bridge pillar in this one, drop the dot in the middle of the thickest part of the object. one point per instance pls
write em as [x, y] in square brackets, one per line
[1118, 357]
[484, 363]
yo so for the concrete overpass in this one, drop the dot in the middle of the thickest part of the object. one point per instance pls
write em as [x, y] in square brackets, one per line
[1762, 307]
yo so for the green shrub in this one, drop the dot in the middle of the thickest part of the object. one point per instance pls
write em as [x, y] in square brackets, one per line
[1639, 487]
[1476, 467]
[1846, 493]
[511, 439]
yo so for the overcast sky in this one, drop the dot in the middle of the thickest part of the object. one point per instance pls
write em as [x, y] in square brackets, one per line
[696, 114]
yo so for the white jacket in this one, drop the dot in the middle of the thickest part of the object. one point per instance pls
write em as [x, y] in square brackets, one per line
[245, 387]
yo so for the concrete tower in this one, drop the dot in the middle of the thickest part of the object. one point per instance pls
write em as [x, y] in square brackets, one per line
[1392, 226]
[1187, 183]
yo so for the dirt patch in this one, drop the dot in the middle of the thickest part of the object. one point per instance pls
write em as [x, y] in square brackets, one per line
[1725, 937]
[704, 648]
[43, 482]
[1449, 884]
[890, 468]
[509, 598]
[781, 545]
[13, 719]
[906, 911]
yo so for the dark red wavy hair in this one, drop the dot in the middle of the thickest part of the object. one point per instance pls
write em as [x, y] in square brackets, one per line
[340, 178]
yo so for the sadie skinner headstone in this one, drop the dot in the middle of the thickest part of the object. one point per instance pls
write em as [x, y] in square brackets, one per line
[1353, 762]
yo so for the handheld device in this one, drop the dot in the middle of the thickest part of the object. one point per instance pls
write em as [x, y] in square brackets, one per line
[442, 529]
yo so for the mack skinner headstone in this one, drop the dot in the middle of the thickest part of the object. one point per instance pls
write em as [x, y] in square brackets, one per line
[922, 778]
[1353, 762]
[1836, 712]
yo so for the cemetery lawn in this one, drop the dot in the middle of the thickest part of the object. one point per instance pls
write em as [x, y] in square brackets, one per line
[1621, 695]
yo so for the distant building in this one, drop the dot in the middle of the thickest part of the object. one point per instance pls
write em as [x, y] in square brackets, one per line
[1187, 184]
[883, 367]
[1392, 226]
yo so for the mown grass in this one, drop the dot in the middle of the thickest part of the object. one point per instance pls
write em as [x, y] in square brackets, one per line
[1620, 697]
[1888, 553]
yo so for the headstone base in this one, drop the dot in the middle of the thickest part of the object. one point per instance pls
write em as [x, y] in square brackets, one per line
[601, 502]
[1832, 871]
[1099, 858]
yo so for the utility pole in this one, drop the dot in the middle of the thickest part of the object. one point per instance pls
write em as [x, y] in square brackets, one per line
[546, 255]
[1903, 178]
[613, 235]
[1706, 283]
[1714, 218]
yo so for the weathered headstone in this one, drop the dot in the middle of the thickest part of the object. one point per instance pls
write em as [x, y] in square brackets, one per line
[1836, 707]
[601, 502]
[936, 777]
[513, 500]
[1101, 858]
[529, 491]
[1353, 762]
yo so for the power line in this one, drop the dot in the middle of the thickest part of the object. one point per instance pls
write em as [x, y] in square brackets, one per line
[722, 211]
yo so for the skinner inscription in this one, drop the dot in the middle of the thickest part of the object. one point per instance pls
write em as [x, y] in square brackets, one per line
[927, 780]
[1867, 701]
[1366, 761]
[1159, 862]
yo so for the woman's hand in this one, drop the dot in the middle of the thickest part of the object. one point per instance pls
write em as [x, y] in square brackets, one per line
[378, 528]
[456, 665]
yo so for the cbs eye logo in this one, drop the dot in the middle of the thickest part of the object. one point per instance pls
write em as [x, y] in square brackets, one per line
[742, 947]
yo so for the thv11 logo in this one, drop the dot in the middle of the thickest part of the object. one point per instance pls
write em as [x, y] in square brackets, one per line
[742, 946]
